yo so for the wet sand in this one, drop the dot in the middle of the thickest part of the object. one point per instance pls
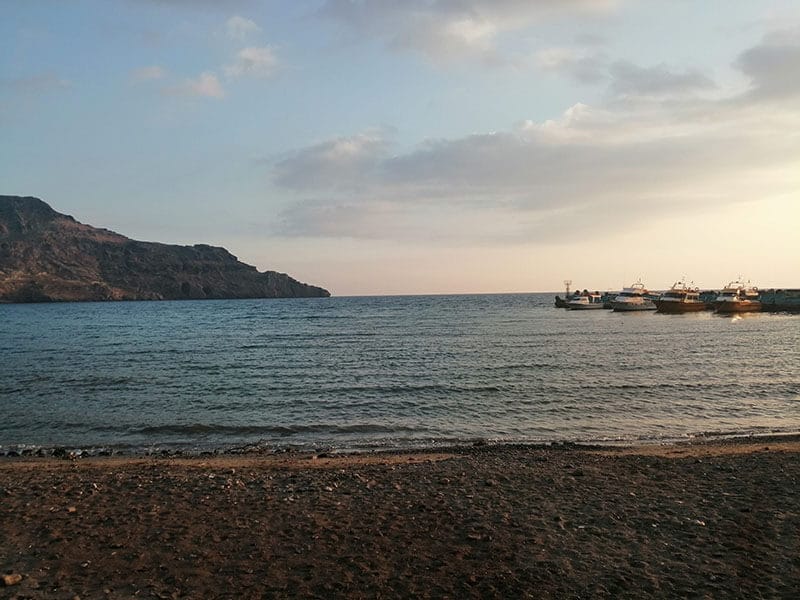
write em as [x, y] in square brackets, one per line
[705, 521]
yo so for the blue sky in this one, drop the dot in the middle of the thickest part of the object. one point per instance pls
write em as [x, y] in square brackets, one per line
[419, 146]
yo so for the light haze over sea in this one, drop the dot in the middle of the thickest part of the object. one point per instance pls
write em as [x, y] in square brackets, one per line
[366, 372]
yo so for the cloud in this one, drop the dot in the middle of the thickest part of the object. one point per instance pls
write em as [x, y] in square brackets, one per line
[220, 5]
[773, 66]
[628, 79]
[584, 68]
[343, 163]
[253, 62]
[150, 73]
[239, 28]
[446, 29]
[624, 78]
[654, 149]
[205, 85]
[39, 83]
[342, 220]
[533, 185]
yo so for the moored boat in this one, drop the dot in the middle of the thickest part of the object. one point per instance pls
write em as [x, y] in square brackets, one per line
[562, 302]
[680, 298]
[633, 298]
[738, 297]
[586, 301]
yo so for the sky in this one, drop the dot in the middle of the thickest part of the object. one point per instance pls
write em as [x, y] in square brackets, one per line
[420, 146]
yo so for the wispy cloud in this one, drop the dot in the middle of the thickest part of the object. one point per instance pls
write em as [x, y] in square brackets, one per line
[628, 79]
[239, 28]
[584, 67]
[253, 62]
[343, 163]
[205, 85]
[445, 30]
[39, 83]
[624, 78]
[220, 5]
[774, 65]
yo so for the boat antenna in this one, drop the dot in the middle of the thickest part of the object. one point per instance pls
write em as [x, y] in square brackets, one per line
[568, 282]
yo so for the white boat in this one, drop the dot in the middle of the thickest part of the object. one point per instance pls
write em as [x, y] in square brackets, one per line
[635, 297]
[586, 301]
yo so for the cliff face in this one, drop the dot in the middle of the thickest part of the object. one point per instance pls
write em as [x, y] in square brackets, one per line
[46, 256]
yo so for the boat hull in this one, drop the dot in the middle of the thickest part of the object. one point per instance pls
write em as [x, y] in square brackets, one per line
[593, 306]
[738, 306]
[632, 307]
[665, 306]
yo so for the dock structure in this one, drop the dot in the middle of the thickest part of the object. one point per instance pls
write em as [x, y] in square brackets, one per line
[780, 300]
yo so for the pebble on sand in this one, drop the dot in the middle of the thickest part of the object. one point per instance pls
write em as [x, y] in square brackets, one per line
[11, 579]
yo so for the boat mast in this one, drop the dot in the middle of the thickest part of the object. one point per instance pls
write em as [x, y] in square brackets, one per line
[567, 283]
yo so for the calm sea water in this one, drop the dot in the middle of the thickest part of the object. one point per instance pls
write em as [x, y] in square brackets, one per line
[386, 371]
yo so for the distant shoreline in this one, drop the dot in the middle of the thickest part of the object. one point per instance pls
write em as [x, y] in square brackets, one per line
[159, 300]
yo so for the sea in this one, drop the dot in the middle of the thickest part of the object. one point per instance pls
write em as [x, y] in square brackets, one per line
[362, 373]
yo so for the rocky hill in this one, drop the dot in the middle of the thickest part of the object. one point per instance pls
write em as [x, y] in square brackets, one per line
[47, 256]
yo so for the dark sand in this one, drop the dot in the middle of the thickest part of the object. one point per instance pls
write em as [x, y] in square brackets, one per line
[701, 521]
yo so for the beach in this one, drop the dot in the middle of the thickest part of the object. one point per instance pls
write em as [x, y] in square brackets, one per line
[717, 519]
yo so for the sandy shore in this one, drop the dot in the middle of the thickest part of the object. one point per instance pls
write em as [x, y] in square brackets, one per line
[710, 520]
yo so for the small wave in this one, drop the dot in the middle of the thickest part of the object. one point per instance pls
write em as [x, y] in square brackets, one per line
[409, 388]
[95, 382]
[264, 430]
[522, 366]
[12, 390]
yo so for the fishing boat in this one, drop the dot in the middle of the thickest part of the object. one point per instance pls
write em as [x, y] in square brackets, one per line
[635, 297]
[680, 298]
[562, 302]
[738, 297]
[586, 301]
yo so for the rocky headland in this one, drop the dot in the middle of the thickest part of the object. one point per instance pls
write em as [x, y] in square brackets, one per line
[47, 256]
